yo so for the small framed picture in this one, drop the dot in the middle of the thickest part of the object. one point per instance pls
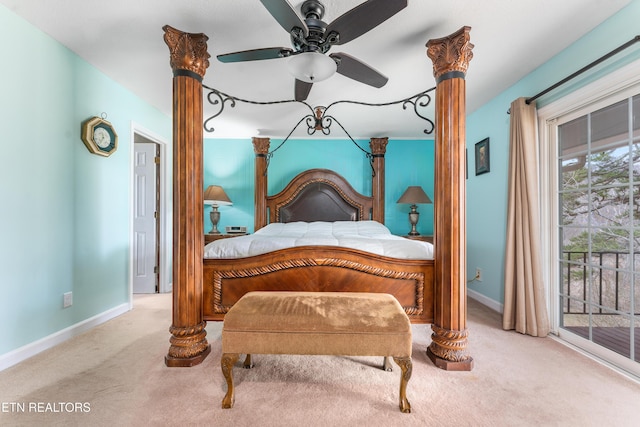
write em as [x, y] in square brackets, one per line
[482, 157]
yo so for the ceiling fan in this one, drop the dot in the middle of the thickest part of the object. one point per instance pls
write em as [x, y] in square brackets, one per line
[312, 38]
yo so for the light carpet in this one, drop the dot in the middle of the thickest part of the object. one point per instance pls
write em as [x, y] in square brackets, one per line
[115, 375]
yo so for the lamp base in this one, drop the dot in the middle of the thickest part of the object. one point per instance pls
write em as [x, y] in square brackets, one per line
[413, 220]
[215, 218]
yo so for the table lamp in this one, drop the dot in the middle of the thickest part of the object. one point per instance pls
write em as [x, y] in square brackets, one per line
[413, 196]
[215, 196]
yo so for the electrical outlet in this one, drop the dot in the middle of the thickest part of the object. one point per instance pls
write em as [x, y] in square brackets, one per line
[478, 274]
[68, 299]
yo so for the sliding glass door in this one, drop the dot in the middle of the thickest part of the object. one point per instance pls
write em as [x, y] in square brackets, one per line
[598, 227]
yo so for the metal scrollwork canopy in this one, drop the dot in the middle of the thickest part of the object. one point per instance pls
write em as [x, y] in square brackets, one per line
[318, 118]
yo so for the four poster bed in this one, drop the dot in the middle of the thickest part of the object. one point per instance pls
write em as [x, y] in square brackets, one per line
[321, 200]
[430, 290]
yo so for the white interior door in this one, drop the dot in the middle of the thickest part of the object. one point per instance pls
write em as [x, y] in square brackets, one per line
[145, 276]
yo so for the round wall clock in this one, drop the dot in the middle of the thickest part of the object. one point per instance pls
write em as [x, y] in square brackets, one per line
[99, 136]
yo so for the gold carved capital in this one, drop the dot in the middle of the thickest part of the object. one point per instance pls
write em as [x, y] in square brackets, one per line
[378, 145]
[260, 145]
[451, 53]
[187, 51]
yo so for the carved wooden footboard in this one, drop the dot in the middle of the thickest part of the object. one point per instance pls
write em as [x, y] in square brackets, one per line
[319, 269]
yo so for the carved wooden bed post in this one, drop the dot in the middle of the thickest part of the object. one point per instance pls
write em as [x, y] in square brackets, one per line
[261, 148]
[378, 149]
[189, 60]
[450, 56]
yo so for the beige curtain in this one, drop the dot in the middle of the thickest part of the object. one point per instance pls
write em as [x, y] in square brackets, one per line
[525, 306]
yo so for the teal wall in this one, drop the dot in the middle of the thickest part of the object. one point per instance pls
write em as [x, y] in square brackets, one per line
[230, 163]
[64, 221]
[487, 193]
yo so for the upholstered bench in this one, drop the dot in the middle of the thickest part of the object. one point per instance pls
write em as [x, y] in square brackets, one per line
[316, 323]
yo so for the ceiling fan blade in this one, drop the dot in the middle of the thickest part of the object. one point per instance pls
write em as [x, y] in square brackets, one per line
[351, 67]
[363, 18]
[302, 90]
[256, 54]
[286, 16]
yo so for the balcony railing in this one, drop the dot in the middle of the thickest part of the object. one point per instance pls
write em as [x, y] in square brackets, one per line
[599, 297]
[609, 276]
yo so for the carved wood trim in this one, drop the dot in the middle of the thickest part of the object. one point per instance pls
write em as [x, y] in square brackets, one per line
[451, 53]
[449, 344]
[188, 342]
[220, 275]
[187, 51]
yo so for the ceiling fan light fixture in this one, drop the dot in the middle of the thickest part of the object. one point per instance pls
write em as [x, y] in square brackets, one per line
[312, 67]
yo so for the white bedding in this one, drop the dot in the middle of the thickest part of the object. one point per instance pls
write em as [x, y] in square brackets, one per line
[369, 236]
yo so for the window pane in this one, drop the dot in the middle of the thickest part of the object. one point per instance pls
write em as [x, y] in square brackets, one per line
[572, 137]
[609, 240]
[610, 207]
[574, 172]
[620, 294]
[610, 125]
[575, 239]
[574, 312]
[609, 167]
[610, 288]
[573, 279]
[575, 207]
[612, 331]
[574, 287]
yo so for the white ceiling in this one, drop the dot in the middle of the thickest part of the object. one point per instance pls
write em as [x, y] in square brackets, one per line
[124, 39]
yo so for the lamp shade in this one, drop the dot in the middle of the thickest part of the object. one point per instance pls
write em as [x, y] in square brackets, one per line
[215, 195]
[414, 195]
[312, 67]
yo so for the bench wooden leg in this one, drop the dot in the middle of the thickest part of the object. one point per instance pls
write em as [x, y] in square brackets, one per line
[406, 367]
[248, 362]
[227, 362]
[386, 365]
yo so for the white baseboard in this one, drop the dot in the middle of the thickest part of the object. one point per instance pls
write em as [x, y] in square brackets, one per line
[18, 355]
[492, 304]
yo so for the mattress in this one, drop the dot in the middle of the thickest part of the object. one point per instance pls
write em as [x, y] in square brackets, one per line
[368, 236]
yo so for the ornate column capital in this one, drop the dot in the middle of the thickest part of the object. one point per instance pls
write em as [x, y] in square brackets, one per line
[378, 146]
[188, 52]
[451, 54]
[260, 145]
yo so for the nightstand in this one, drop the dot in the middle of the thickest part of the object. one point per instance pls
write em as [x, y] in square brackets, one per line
[208, 238]
[420, 237]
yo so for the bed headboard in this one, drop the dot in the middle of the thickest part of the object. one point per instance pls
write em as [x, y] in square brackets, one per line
[318, 194]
